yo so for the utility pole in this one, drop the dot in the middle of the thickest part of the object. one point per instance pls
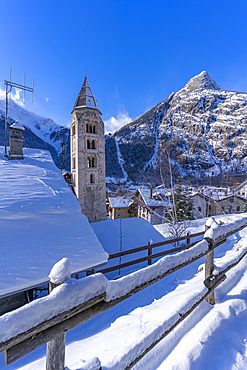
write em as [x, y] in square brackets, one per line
[63, 152]
[9, 85]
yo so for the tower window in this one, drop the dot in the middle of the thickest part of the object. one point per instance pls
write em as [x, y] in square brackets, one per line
[88, 144]
[94, 130]
[94, 162]
[91, 129]
[93, 145]
[73, 162]
[87, 128]
[73, 130]
[91, 178]
[89, 162]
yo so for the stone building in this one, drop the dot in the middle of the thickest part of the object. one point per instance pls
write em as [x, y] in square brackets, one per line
[16, 141]
[213, 202]
[88, 155]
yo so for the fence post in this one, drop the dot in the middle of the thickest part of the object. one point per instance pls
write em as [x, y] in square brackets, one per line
[188, 239]
[209, 267]
[55, 350]
[150, 251]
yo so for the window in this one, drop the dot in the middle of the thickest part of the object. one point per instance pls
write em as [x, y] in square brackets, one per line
[92, 178]
[73, 162]
[94, 130]
[238, 208]
[93, 145]
[89, 162]
[88, 144]
[91, 129]
[73, 130]
[94, 162]
[87, 128]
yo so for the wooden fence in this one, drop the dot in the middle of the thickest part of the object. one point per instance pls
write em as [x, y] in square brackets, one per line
[150, 255]
[53, 330]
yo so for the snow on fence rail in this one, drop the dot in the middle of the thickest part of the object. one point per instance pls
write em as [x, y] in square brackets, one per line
[76, 301]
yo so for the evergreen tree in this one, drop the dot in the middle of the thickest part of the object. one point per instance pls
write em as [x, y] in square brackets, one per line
[183, 202]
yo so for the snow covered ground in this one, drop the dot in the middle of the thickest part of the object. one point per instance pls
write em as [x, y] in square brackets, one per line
[212, 337]
[40, 223]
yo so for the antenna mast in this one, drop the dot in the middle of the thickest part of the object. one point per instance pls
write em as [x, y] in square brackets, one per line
[9, 85]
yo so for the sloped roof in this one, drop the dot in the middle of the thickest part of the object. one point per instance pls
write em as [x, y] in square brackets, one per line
[40, 223]
[152, 202]
[120, 202]
[86, 98]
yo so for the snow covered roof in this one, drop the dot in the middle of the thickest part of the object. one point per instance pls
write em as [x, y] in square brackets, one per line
[40, 223]
[120, 202]
[17, 126]
[86, 98]
[152, 202]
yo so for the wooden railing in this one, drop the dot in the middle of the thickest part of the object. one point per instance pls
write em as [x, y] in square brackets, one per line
[150, 255]
[53, 330]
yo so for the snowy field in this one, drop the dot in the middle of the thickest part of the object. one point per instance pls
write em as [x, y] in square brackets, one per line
[212, 337]
[40, 223]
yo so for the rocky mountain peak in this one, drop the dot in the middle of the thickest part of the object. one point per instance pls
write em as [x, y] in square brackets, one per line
[202, 81]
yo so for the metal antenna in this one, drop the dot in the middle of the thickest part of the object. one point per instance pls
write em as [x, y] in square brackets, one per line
[9, 85]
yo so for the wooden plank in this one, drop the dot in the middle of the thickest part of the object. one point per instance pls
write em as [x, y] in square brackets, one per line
[165, 242]
[147, 258]
[213, 280]
[34, 332]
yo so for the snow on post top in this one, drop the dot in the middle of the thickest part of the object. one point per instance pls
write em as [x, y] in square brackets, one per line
[17, 126]
[61, 271]
[92, 364]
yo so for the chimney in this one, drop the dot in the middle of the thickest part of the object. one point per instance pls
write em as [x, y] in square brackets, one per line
[16, 141]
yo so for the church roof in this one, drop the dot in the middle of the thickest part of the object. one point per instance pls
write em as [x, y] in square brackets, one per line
[86, 98]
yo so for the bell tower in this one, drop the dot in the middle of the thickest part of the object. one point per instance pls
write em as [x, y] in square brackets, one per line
[88, 155]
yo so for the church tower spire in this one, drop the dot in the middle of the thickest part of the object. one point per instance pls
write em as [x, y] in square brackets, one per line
[88, 155]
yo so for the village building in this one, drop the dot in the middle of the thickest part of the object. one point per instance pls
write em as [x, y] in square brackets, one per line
[153, 206]
[119, 207]
[88, 155]
[211, 201]
[241, 189]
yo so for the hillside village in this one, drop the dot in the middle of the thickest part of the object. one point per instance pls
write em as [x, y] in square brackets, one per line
[60, 228]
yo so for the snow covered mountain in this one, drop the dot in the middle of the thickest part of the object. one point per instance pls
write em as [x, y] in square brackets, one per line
[40, 133]
[202, 127]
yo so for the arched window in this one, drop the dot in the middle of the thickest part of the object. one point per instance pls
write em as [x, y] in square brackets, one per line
[88, 144]
[86, 127]
[93, 144]
[91, 130]
[94, 163]
[89, 162]
[94, 129]
[91, 178]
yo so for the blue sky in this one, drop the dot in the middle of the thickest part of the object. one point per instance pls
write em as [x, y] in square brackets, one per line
[136, 52]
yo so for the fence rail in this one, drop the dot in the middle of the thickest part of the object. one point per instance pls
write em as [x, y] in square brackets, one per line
[26, 341]
[150, 255]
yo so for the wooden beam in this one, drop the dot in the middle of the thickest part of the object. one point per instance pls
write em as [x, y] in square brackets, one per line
[147, 258]
[165, 242]
[33, 337]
